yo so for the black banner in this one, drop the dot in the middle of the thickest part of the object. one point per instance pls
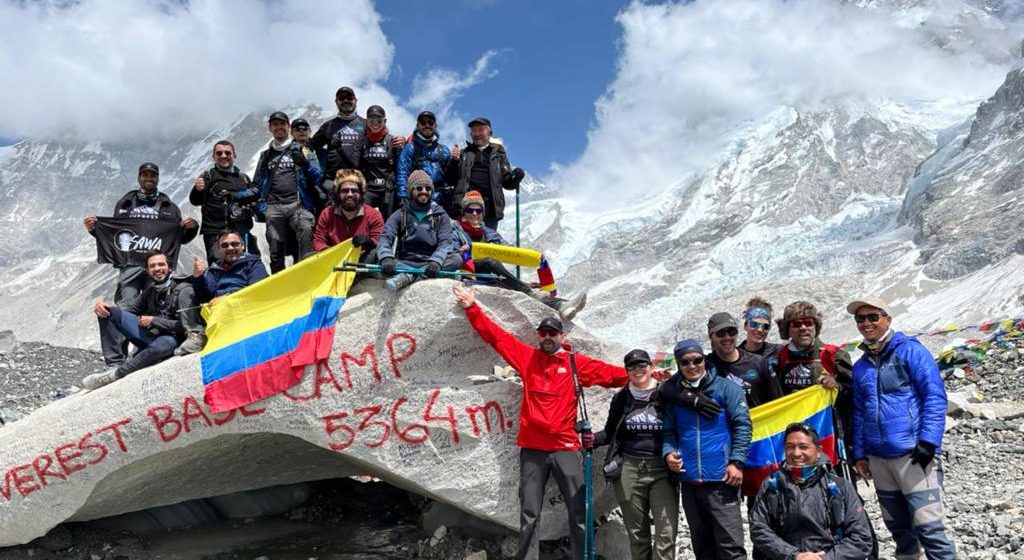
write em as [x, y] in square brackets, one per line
[128, 241]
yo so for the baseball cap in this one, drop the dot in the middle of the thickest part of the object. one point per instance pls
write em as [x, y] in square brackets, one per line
[344, 90]
[278, 116]
[878, 303]
[721, 320]
[375, 112]
[149, 166]
[300, 122]
[636, 356]
[425, 114]
[550, 323]
[480, 120]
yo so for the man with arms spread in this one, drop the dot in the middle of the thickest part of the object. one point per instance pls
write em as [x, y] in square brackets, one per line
[548, 442]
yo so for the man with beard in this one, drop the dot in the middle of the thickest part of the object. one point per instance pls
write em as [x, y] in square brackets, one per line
[899, 417]
[805, 512]
[144, 203]
[749, 371]
[234, 271]
[380, 152]
[757, 322]
[483, 167]
[419, 235]
[286, 174]
[155, 322]
[349, 218]
[224, 195]
[548, 441]
[425, 153]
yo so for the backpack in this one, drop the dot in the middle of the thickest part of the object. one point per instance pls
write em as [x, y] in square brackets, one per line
[835, 506]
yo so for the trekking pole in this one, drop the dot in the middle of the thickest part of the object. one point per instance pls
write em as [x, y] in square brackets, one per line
[583, 427]
[517, 229]
[348, 266]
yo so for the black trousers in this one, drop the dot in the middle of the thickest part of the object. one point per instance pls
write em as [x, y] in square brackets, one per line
[507, 280]
[713, 514]
[534, 469]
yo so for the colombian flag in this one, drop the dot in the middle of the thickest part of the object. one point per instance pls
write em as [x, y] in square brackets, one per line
[519, 256]
[812, 406]
[260, 339]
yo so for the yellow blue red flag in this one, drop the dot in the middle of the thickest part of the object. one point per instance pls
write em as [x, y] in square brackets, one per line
[261, 338]
[811, 406]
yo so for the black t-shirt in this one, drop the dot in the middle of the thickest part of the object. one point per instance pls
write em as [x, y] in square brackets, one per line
[750, 372]
[284, 185]
[641, 431]
[799, 371]
[378, 164]
[769, 351]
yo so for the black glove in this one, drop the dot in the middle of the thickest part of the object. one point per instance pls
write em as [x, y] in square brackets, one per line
[299, 158]
[923, 454]
[361, 240]
[703, 404]
[431, 269]
[518, 174]
[387, 266]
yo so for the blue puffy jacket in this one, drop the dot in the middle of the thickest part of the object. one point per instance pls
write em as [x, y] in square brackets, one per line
[706, 446]
[898, 400]
[429, 155]
[219, 281]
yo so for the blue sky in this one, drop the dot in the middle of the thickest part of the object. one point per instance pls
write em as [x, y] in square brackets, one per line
[555, 59]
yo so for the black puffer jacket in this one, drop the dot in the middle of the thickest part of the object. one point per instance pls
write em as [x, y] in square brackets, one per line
[225, 200]
[501, 177]
[162, 305]
[788, 518]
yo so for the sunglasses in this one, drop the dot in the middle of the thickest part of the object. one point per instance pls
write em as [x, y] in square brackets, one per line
[547, 333]
[230, 244]
[637, 366]
[691, 362]
[348, 191]
[801, 322]
[731, 331]
[422, 188]
[300, 128]
[870, 317]
[223, 153]
[760, 326]
[473, 211]
[427, 122]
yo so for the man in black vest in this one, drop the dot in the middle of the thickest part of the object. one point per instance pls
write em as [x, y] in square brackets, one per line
[484, 167]
[225, 195]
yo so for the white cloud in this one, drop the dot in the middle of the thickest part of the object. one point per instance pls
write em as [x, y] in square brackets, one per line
[437, 90]
[109, 68]
[689, 74]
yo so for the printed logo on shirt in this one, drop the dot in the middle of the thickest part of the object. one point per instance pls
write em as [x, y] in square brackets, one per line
[377, 151]
[561, 370]
[799, 376]
[147, 212]
[281, 164]
[644, 420]
[129, 241]
[747, 387]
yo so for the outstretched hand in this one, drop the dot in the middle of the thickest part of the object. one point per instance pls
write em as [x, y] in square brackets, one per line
[465, 297]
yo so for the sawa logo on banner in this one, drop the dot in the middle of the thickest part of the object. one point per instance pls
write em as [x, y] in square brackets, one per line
[129, 241]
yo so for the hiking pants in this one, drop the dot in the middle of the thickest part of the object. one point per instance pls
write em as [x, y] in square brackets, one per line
[507, 280]
[131, 280]
[284, 218]
[188, 308]
[152, 348]
[911, 501]
[713, 514]
[534, 469]
[646, 493]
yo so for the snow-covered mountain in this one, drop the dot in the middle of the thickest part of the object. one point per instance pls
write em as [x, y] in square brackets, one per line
[916, 201]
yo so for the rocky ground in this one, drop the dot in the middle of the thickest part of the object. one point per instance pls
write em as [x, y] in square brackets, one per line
[351, 520]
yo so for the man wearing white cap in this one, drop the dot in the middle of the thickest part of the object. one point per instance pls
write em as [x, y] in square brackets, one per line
[899, 415]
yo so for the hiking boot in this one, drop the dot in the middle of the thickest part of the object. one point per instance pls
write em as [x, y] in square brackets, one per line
[568, 308]
[194, 343]
[398, 281]
[97, 380]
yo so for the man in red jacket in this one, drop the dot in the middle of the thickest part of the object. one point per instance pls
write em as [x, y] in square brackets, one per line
[349, 218]
[548, 440]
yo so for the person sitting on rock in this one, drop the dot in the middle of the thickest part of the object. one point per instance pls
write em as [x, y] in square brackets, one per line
[471, 228]
[155, 322]
[804, 511]
[236, 270]
[349, 218]
[757, 322]
[418, 236]
[548, 441]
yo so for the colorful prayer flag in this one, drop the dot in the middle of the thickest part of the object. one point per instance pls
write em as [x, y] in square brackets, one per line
[261, 338]
[812, 406]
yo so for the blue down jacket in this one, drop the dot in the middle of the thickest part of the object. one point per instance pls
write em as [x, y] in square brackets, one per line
[898, 400]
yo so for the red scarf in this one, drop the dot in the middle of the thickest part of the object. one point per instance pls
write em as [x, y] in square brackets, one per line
[475, 233]
[376, 136]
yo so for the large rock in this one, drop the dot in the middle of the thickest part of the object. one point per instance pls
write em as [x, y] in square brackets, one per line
[395, 401]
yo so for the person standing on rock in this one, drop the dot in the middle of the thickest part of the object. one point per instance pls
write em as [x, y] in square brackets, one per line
[899, 416]
[470, 228]
[419, 235]
[707, 435]
[749, 371]
[425, 153]
[757, 322]
[548, 442]
[225, 197]
[645, 489]
[156, 322]
[378, 161]
[804, 511]
[287, 174]
[483, 166]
